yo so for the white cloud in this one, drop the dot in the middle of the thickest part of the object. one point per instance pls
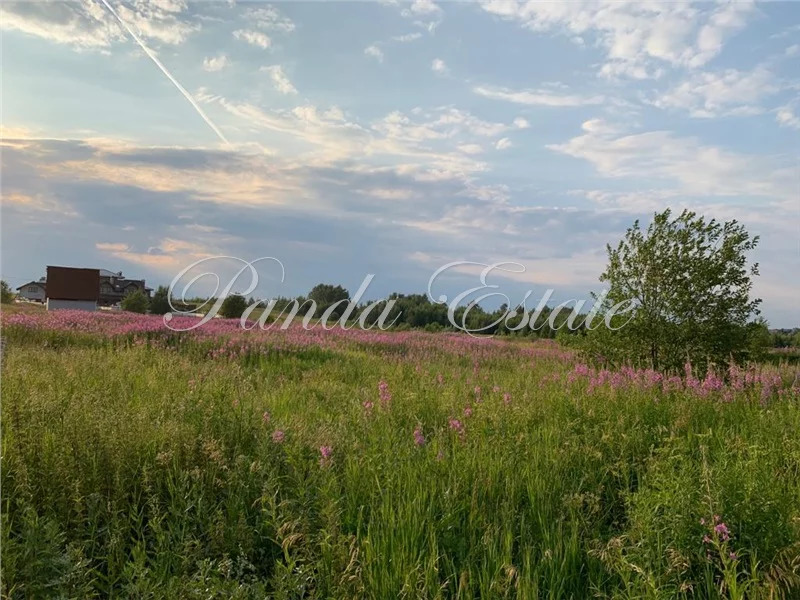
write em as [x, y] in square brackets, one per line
[279, 79]
[216, 63]
[89, 25]
[503, 144]
[438, 66]
[422, 7]
[786, 118]
[374, 52]
[521, 123]
[792, 50]
[269, 18]
[637, 37]
[408, 37]
[541, 97]
[728, 92]
[256, 38]
[678, 163]
[470, 148]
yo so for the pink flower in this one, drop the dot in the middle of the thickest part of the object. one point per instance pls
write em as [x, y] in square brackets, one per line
[506, 398]
[722, 531]
[419, 439]
[278, 436]
[468, 412]
[385, 394]
[325, 454]
[456, 426]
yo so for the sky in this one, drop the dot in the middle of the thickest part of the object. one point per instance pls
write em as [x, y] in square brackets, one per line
[391, 138]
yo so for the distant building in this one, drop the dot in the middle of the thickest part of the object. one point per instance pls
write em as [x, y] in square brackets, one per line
[114, 287]
[71, 288]
[33, 290]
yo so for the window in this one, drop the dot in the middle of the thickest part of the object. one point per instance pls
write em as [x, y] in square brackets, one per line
[33, 288]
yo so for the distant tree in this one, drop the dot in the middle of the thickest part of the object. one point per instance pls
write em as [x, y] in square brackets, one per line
[7, 294]
[688, 284]
[233, 306]
[759, 339]
[159, 304]
[324, 294]
[135, 302]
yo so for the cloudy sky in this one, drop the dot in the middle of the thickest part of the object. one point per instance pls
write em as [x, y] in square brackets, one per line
[391, 138]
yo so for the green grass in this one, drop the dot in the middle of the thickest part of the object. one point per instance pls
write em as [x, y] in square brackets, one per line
[139, 471]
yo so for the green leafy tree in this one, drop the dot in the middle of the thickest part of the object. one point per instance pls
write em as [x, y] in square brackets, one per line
[136, 301]
[233, 306]
[159, 305]
[7, 294]
[324, 294]
[688, 283]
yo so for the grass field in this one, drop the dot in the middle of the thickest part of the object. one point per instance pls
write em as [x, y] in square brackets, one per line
[139, 463]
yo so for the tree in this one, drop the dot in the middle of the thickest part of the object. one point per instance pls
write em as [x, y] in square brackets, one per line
[324, 294]
[136, 302]
[159, 305]
[7, 294]
[233, 306]
[688, 284]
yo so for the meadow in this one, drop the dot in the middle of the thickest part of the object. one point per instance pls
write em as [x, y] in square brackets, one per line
[221, 463]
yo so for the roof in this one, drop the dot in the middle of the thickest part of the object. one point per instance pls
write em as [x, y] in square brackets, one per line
[69, 283]
[40, 283]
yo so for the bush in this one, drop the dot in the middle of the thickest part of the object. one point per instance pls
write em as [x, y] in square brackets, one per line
[7, 294]
[233, 307]
[159, 305]
[136, 302]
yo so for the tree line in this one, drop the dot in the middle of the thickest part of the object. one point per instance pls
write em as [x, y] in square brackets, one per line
[685, 281]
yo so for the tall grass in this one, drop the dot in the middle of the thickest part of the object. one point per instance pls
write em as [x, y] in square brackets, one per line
[149, 468]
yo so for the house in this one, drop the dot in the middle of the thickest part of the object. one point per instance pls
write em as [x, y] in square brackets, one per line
[76, 289]
[33, 290]
[115, 286]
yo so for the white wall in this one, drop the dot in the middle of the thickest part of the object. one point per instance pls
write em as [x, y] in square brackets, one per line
[71, 304]
[28, 295]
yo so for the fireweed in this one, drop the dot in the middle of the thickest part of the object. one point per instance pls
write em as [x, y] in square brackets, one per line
[217, 462]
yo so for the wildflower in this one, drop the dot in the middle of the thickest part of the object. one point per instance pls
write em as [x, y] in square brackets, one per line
[325, 454]
[278, 436]
[506, 398]
[706, 539]
[457, 426]
[732, 556]
[368, 404]
[702, 521]
[265, 417]
[468, 411]
[384, 393]
[722, 530]
[419, 439]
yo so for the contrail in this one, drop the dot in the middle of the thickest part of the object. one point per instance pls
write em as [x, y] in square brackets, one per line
[177, 84]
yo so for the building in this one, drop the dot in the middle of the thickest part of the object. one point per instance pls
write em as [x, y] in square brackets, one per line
[114, 287]
[33, 290]
[71, 288]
